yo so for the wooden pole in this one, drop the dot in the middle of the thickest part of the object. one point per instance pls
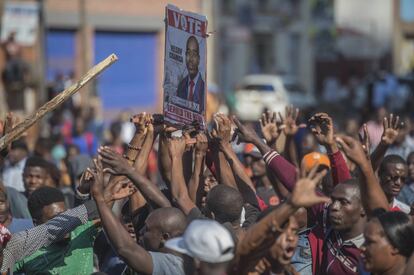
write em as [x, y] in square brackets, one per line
[17, 131]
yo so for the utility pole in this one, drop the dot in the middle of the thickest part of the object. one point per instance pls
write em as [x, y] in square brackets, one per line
[3, 101]
[85, 50]
[41, 53]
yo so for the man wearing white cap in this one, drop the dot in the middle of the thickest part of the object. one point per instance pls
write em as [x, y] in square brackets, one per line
[208, 243]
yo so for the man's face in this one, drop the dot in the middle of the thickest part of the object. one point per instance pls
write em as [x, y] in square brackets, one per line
[192, 57]
[16, 155]
[345, 209]
[50, 211]
[393, 179]
[34, 178]
[152, 234]
[377, 252]
[410, 163]
[258, 168]
[286, 243]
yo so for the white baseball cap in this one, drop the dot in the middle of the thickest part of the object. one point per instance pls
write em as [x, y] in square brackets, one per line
[205, 240]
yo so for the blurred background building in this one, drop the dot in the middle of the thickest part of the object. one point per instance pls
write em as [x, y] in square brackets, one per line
[309, 42]
[75, 34]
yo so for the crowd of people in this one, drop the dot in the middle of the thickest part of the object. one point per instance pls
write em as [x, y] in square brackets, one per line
[187, 201]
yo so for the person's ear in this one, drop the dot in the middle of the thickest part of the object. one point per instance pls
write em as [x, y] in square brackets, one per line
[362, 212]
[166, 236]
[394, 251]
[197, 264]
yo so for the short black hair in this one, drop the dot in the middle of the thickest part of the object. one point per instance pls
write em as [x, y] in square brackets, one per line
[19, 143]
[36, 161]
[42, 197]
[410, 155]
[399, 230]
[394, 159]
[225, 202]
[54, 172]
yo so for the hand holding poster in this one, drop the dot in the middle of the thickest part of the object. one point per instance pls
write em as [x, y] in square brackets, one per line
[185, 67]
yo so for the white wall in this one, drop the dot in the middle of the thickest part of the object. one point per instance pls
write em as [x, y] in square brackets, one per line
[371, 17]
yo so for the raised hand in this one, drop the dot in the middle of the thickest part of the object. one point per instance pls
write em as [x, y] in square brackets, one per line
[97, 188]
[8, 124]
[245, 133]
[201, 145]
[353, 149]
[141, 121]
[85, 182]
[322, 129]
[269, 127]
[119, 190]
[176, 146]
[157, 121]
[365, 140]
[289, 122]
[391, 128]
[304, 194]
[222, 128]
[187, 132]
[116, 164]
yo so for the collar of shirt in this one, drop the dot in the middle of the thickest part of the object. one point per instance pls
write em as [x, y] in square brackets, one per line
[19, 165]
[358, 241]
[400, 206]
[195, 80]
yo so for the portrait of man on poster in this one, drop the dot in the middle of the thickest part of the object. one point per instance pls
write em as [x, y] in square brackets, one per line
[191, 87]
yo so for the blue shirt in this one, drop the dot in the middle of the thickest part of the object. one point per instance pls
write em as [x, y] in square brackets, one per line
[18, 225]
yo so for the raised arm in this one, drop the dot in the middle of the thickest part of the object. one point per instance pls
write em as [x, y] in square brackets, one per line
[117, 165]
[261, 236]
[179, 191]
[279, 166]
[323, 130]
[371, 191]
[133, 254]
[199, 155]
[26, 242]
[270, 128]
[141, 161]
[290, 128]
[222, 170]
[223, 135]
[141, 122]
[5, 127]
[164, 160]
[389, 135]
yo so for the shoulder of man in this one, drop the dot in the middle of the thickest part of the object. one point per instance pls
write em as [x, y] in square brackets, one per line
[166, 263]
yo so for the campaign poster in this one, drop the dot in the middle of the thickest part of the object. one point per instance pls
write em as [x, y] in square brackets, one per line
[22, 19]
[185, 67]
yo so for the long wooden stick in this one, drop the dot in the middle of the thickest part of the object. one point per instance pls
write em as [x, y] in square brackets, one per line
[17, 131]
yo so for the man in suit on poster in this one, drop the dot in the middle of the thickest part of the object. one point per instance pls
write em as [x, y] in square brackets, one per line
[191, 87]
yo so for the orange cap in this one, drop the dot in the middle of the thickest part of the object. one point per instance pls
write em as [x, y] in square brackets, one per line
[315, 158]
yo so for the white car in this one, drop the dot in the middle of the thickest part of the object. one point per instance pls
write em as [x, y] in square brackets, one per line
[260, 92]
[298, 97]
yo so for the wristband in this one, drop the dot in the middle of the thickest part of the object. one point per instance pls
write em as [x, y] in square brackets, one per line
[132, 147]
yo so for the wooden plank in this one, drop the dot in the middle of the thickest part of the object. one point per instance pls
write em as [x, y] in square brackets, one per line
[56, 101]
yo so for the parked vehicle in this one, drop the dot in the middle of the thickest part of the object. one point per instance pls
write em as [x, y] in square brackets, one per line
[257, 93]
[272, 92]
[298, 96]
